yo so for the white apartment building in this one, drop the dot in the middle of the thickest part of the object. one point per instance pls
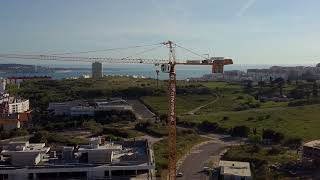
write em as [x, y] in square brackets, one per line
[18, 105]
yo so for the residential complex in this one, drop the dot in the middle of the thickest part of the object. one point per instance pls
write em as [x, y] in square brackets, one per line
[14, 111]
[97, 70]
[97, 160]
[274, 72]
[18, 80]
[80, 108]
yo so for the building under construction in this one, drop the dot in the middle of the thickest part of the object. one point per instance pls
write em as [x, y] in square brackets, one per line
[99, 159]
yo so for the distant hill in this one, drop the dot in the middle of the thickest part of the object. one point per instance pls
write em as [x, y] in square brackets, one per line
[23, 68]
[26, 68]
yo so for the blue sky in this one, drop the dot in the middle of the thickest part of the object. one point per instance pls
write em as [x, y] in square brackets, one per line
[250, 31]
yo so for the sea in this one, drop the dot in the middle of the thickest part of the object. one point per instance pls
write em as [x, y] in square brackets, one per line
[139, 70]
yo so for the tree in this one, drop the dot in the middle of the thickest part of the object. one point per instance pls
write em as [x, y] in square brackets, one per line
[294, 143]
[208, 126]
[315, 89]
[275, 137]
[255, 139]
[40, 137]
[249, 85]
[271, 81]
[309, 76]
[281, 82]
[240, 131]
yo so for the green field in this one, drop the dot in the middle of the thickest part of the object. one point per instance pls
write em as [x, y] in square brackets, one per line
[301, 122]
[221, 85]
[184, 104]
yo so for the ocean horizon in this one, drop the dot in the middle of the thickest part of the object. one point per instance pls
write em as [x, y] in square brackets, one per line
[145, 70]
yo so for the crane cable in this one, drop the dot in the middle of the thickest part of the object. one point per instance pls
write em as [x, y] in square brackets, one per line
[142, 52]
[191, 51]
[110, 49]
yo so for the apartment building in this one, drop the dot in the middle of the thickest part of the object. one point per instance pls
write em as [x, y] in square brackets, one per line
[17, 105]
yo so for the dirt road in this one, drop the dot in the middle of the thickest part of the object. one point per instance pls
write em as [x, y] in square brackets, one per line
[193, 111]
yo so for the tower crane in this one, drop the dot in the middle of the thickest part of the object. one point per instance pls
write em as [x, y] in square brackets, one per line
[167, 66]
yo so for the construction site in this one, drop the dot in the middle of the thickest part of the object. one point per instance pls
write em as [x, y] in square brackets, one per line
[166, 66]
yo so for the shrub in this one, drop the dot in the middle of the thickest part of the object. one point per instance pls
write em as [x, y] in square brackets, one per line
[275, 137]
[256, 139]
[225, 118]
[293, 143]
[240, 97]
[250, 118]
[208, 126]
[240, 131]
[275, 150]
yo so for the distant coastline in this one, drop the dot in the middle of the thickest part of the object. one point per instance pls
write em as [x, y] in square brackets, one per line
[145, 70]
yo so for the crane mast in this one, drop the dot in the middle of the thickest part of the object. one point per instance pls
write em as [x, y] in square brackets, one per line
[172, 113]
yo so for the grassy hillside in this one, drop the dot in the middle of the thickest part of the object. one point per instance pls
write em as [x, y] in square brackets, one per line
[184, 104]
[301, 122]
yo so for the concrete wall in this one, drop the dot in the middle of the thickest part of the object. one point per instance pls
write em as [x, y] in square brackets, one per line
[25, 158]
[231, 177]
[11, 126]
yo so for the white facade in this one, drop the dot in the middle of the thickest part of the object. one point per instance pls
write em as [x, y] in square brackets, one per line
[3, 83]
[18, 106]
[235, 170]
[4, 97]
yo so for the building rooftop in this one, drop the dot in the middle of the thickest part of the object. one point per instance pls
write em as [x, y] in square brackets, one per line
[97, 152]
[24, 146]
[16, 100]
[313, 144]
[235, 168]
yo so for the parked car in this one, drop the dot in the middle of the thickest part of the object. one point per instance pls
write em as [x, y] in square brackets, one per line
[179, 174]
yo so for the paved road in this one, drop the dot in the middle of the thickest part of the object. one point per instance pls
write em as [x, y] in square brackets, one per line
[192, 166]
[141, 110]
